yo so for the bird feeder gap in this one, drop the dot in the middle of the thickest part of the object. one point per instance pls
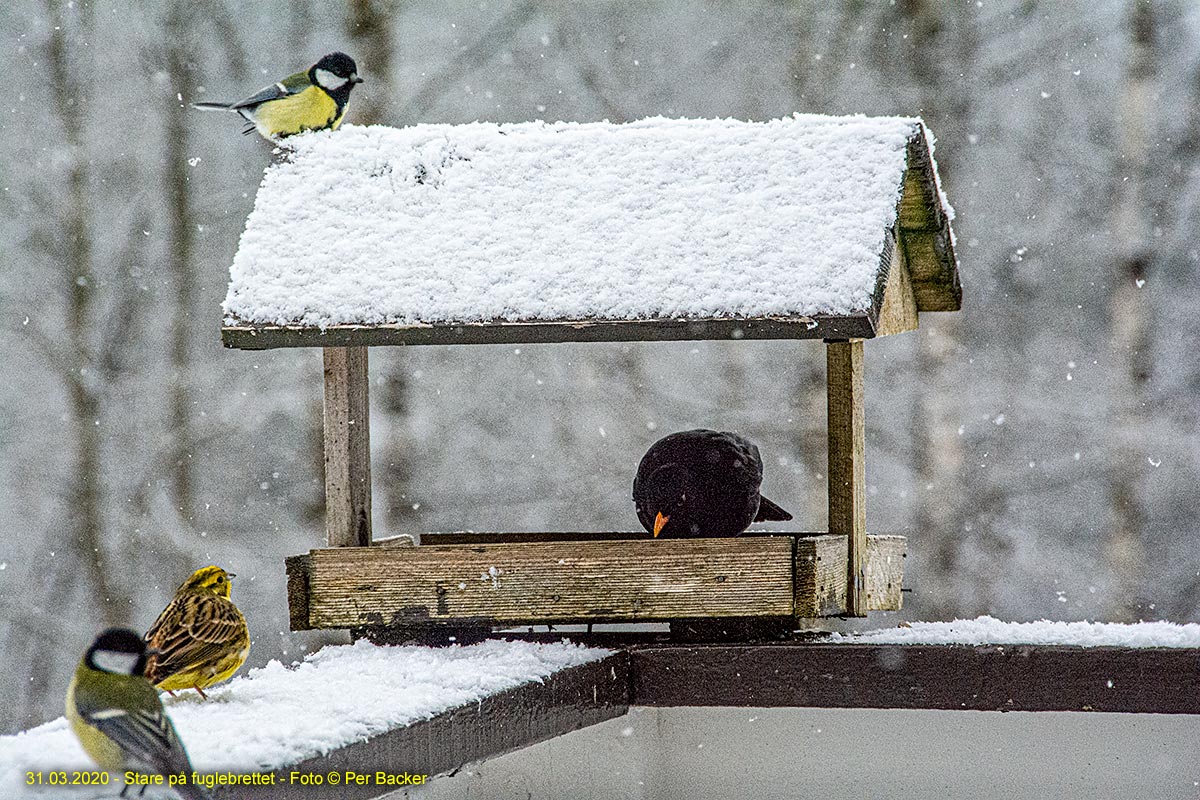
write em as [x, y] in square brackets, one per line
[537, 233]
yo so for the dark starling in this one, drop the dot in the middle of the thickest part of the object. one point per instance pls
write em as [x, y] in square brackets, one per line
[701, 483]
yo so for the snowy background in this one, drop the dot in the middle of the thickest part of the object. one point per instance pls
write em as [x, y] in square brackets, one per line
[1038, 449]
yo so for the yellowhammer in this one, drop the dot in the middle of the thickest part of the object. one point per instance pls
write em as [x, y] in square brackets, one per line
[200, 637]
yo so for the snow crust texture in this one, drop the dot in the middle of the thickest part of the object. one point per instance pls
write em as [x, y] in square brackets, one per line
[277, 716]
[658, 218]
[989, 630]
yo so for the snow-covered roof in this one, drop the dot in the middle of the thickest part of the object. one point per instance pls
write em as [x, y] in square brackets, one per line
[278, 716]
[989, 630]
[482, 226]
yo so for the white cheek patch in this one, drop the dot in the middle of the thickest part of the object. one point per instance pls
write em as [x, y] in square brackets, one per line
[111, 661]
[330, 81]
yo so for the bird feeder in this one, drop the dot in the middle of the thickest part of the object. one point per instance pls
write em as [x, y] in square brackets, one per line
[831, 229]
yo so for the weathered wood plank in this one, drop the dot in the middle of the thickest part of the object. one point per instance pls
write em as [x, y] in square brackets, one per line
[297, 592]
[820, 583]
[545, 578]
[925, 234]
[933, 288]
[400, 540]
[566, 701]
[951, 677]
[885, 572]
[847, 472]
[247, 336]
[898, 312]
[514, 537]
[550, 582]
[821, 575]
[347, 448]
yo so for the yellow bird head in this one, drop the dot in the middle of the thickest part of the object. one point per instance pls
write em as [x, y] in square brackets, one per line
[208, 580]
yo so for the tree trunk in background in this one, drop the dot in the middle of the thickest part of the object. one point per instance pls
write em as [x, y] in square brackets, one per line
[808, 433]
[807, 429]
[180, 255]
[369, 24]
[937, 461]
[77, 573]
[67, 44]
[300, 26]
[392, 399]
[1130, 318]
[940, 525]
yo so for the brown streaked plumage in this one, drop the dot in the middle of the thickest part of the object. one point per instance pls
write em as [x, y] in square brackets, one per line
[201, 637]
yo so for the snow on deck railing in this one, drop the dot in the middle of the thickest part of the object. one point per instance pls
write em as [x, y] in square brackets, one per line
[276, 716]
[538, 222]
[988, 630]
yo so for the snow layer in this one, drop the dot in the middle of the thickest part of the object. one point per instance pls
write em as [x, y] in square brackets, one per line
[988, 630]
[276, 715]
[539, 221]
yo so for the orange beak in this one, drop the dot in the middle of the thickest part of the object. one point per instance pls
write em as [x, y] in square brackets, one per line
[659, 520]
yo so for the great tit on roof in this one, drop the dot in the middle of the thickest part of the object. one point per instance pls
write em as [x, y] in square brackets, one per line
[117, 716]
[307, 101]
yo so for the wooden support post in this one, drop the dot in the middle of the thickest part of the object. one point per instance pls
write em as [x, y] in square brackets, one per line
[847, 476]
[347, 448]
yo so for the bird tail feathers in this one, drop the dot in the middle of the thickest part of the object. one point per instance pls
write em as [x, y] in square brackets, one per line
[213, 106]
[769, 512]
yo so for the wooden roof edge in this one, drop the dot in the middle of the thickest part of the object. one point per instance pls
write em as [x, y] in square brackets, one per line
[925, 231]
[253, 336]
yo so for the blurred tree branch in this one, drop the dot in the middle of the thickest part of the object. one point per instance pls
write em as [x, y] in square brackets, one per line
[70, 92]
[467, 60]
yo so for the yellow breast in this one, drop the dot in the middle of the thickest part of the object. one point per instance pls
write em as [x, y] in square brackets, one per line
[309, 110]
[101, 749]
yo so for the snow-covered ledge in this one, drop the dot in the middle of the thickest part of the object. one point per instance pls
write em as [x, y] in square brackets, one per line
[989, 630]
[364, 708]
[276, 716]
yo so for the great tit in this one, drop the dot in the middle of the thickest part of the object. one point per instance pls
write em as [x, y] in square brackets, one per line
[117, 716]
[307, 101]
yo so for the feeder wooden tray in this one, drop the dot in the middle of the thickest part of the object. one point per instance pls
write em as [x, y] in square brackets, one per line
[481, 580]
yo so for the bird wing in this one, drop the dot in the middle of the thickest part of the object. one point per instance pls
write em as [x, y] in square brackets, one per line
[193, 629]
[147, 737]
[292, 84]
[129, 713]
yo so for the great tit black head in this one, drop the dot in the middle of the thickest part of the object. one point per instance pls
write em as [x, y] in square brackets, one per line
[119, 651]
[336, 71]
